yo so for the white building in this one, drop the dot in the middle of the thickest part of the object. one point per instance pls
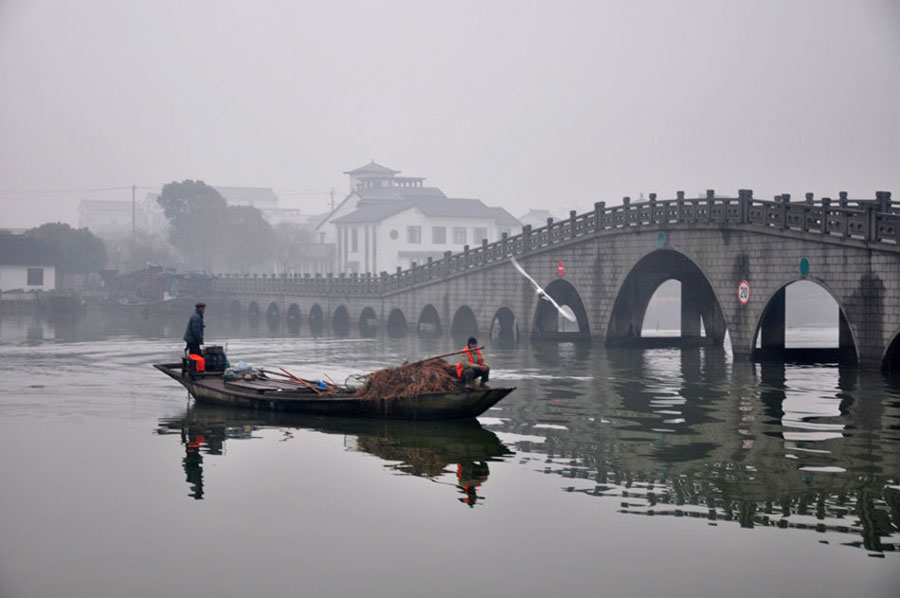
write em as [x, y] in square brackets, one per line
[388, 221]
[26, 264]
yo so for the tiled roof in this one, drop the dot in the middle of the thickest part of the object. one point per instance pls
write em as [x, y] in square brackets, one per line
[372, 168]
[25, 251]
[395, 193]
[433, 207]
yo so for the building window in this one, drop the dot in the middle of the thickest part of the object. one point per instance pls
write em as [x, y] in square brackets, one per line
[393, 234]
[438, 235]
[459, 235]
[413, 234]
[35, 277]
[354, 239]
[480, 233]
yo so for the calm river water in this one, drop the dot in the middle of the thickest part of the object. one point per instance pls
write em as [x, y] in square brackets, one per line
[613, 473]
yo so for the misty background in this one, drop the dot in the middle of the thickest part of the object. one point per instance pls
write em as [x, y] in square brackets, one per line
[521, 104]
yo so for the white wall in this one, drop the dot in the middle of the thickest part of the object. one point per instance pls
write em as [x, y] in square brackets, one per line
[388, 251]
[16, 277]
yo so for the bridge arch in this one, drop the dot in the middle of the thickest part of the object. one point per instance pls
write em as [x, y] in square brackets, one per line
[340, 321]
[890, 363]
[769, 339]
[293, 318]
[700, 306]
[429, 322]
[316, 320]
[504, 325]
[253, 311]
[548, 323]
[368, 323]
[464, 324]
[396, 324]
[273, 316]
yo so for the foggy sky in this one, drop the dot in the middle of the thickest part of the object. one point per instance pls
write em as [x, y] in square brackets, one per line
[521, 104]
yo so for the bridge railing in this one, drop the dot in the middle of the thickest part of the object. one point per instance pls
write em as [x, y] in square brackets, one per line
[872, 221]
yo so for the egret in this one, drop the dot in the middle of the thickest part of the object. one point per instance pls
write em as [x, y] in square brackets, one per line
[565, 311]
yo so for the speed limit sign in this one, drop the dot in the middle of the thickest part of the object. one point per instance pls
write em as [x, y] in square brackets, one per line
[744, 292]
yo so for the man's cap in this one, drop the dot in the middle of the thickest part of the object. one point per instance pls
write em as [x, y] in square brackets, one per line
[201, 304]
[472, 341]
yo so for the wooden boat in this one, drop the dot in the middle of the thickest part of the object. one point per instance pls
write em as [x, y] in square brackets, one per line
[274, 395]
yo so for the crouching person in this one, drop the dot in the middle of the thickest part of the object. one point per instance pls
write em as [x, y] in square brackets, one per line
[472, 365]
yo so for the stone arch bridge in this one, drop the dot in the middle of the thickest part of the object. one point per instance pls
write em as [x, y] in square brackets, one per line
[607, 263]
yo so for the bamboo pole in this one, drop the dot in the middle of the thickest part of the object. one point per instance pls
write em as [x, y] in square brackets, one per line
[301, 381]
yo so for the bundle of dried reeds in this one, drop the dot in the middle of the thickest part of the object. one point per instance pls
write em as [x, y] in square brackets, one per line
[410, 379]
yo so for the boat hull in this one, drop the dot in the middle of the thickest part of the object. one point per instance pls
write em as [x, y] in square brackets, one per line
[457, 404]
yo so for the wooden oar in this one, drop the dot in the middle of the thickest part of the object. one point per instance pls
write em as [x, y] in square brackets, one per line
[301, 381]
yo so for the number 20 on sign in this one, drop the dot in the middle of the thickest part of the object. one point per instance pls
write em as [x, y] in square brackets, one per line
[744, 292]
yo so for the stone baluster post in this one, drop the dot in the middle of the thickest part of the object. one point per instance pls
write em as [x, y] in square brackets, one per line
[870, 214]
[679, 201]
[826, 208]
[526, 238]
[572, 214]
[599, 214]
[807, 207]
[745, 196]
[710, 201]
[785, 200]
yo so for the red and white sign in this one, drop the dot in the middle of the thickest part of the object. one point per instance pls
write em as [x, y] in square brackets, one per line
[560, 269]
[744, 292]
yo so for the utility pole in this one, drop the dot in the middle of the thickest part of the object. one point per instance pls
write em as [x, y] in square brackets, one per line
[332, 199]
[133, 188]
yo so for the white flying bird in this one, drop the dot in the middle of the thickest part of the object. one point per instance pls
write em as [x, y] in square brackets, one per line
[565, 311]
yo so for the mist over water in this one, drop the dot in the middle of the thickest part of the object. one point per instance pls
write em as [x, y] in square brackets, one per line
[620, 472]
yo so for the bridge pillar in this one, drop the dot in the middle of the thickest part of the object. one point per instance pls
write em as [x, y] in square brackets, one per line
[690, 314]
[845, 336]
[772, 326]
[714, 322]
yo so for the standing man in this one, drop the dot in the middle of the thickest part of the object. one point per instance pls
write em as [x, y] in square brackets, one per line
[193, 336]
[472, 365]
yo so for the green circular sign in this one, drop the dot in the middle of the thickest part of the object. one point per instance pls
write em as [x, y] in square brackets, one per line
[804, 266]
[661, 239]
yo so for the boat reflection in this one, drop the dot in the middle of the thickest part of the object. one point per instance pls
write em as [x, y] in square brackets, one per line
[425, 449]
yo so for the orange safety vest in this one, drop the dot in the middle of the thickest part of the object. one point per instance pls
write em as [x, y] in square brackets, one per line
[199, 362]
[459, 366]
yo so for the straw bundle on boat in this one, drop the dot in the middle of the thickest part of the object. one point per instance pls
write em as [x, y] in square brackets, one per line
[409, 380]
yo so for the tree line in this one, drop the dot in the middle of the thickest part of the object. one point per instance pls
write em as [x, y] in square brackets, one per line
[204, 234]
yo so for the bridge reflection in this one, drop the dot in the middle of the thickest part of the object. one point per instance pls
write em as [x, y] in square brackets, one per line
[424, 449]
[690, 433]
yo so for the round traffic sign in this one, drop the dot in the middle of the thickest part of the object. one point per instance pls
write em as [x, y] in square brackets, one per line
[744, 292]
[560, 269]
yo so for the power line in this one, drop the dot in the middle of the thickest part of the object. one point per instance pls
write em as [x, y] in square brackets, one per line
[83, 190]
